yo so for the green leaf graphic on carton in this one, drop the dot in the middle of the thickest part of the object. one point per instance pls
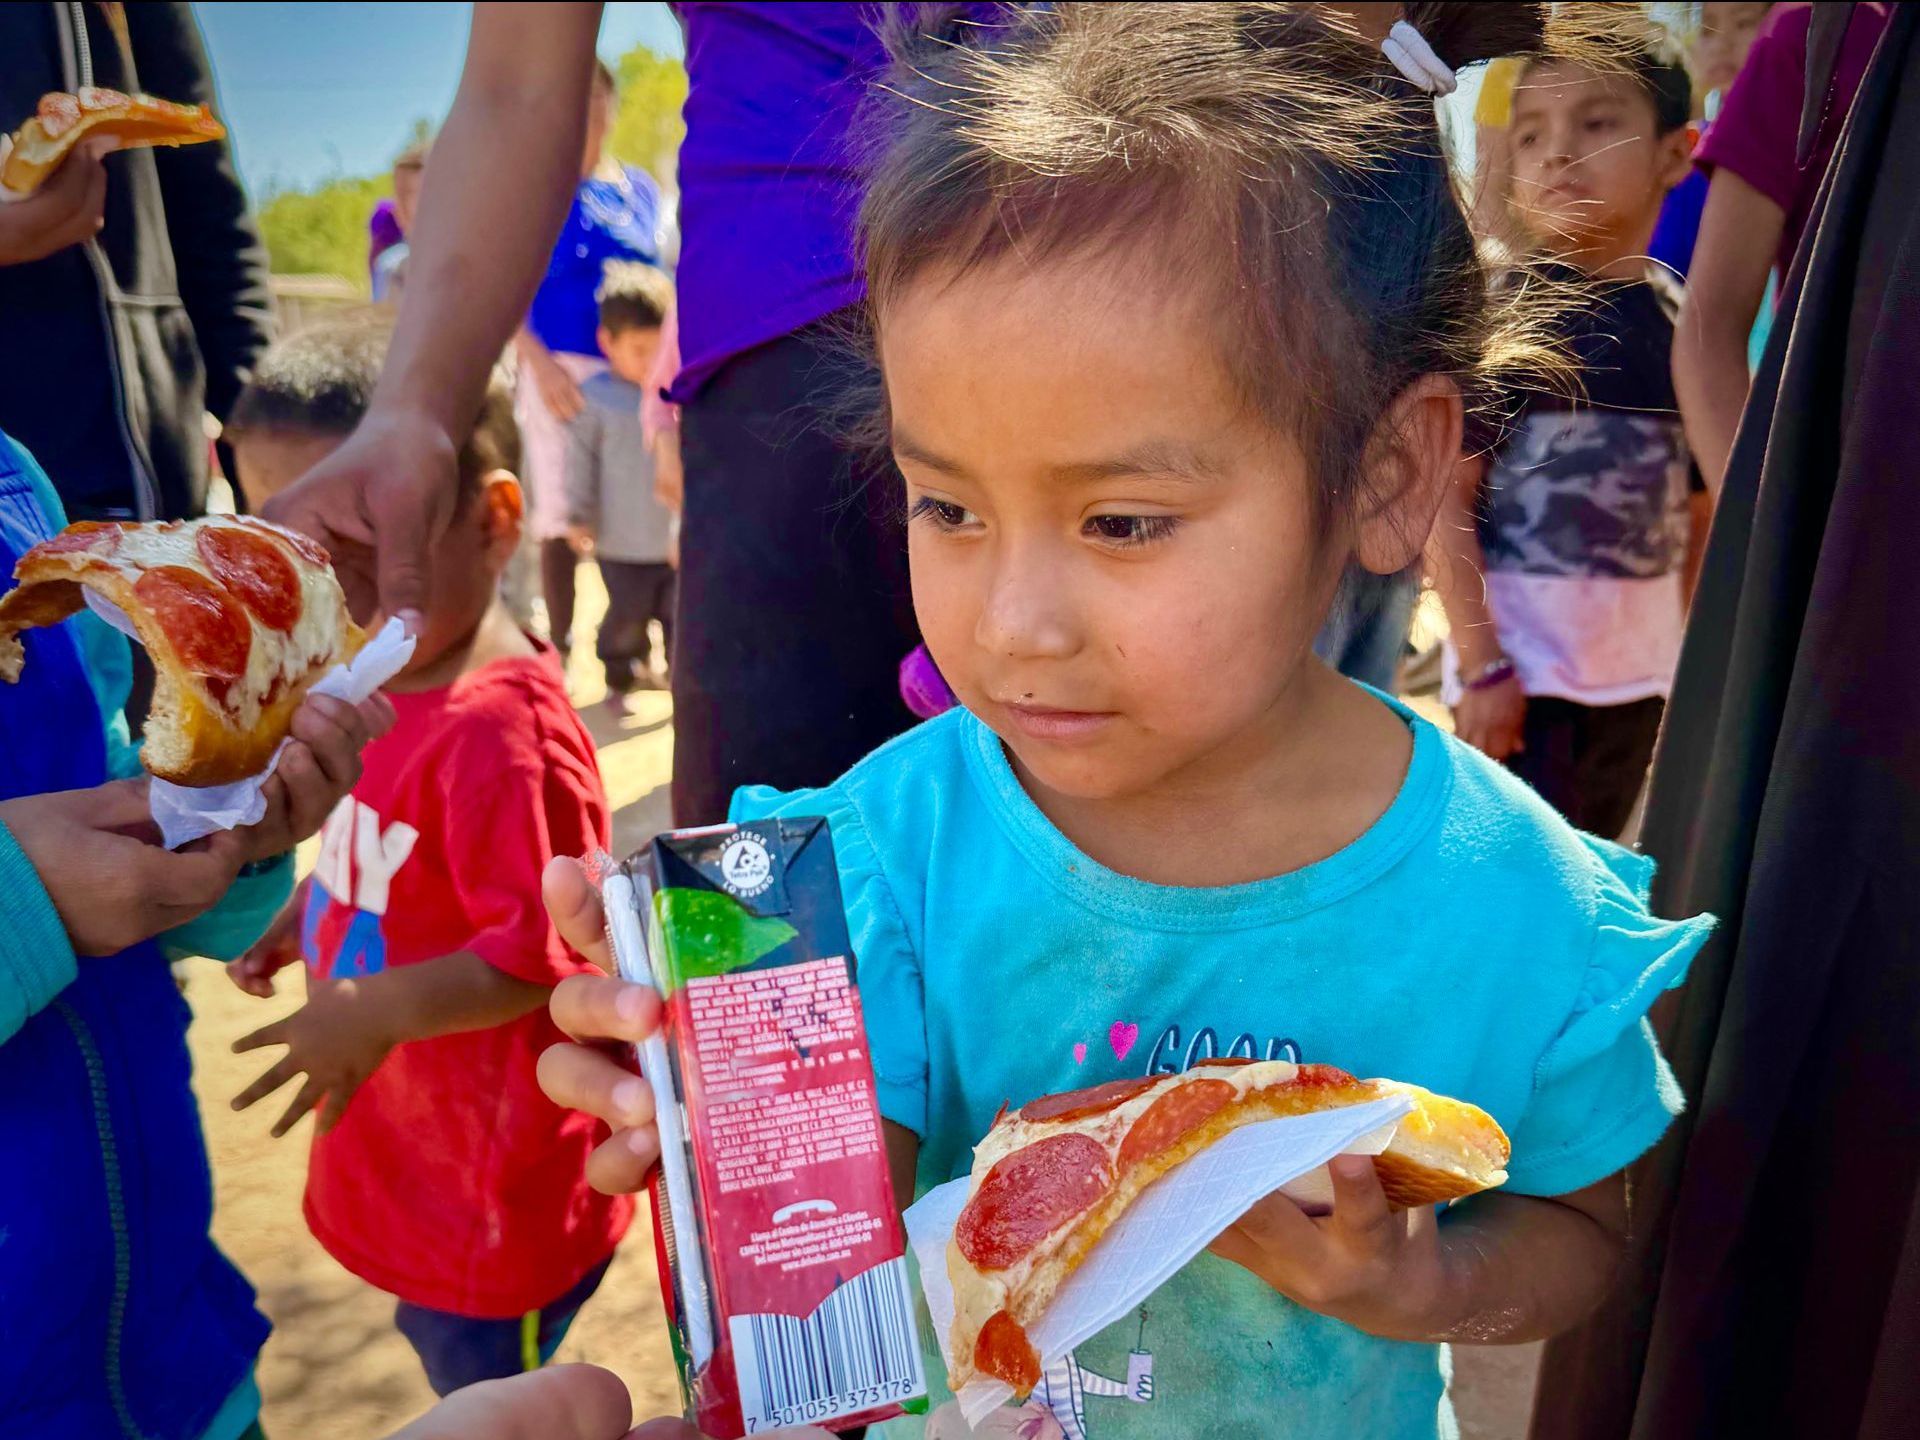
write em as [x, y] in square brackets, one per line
[708, 933]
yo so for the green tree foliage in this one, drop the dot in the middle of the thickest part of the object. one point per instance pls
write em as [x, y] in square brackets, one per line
[322, 230]
[647, 128]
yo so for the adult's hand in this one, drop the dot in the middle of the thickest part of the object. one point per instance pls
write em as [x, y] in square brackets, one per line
[380, 504]
[67, 210]
[560, 1402]
[98, 854]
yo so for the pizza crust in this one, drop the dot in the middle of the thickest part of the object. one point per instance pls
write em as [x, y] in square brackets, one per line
[1442, 1151]
[188, 739]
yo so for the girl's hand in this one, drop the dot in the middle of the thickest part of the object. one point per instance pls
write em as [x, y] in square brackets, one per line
[1375, 1268]
[1492, 720]
[604, 1016]
[337, 1039]
[98, 854]
[316, 771]
[253, 972]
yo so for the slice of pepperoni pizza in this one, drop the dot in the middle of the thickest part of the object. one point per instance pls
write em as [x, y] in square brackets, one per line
[62, 121]
[1053, 1176]
[239, 617]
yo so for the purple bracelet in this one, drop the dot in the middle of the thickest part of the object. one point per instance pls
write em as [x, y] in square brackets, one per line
[1494, 672]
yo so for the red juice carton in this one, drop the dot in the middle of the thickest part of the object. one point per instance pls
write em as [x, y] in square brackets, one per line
[781, 1251]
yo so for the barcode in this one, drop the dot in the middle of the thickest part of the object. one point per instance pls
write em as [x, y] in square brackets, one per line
[857, 1351]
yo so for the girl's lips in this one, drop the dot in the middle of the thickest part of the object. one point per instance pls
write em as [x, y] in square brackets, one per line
[1039, 722]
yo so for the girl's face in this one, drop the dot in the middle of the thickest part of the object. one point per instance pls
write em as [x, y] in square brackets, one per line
[1115, 567]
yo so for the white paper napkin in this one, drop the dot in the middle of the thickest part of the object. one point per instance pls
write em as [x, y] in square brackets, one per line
[1172, 1221]
[184, 813]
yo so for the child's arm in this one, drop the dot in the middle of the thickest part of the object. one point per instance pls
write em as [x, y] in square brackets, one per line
[1497, 1269]
[1489, 719]
[343, 1032]
[581, 480]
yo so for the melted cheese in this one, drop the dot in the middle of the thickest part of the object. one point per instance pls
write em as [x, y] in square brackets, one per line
[1109, 1127]
[274, 659]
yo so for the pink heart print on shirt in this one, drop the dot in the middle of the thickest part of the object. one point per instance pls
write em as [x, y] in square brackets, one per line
[1121, 1037]
[1080, 1053]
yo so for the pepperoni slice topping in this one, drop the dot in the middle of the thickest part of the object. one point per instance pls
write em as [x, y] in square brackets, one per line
[57, 114]
[1173, 1117]
[1004, 1352]
[254, 568]
[1094, 1100]
[1030, 1194]
[207, 627]
[305, 546]
[96, 537]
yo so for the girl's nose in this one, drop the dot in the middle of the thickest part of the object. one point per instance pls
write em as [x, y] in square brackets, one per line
[1028, 612]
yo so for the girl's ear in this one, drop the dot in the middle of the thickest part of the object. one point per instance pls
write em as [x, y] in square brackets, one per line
[1410, 462]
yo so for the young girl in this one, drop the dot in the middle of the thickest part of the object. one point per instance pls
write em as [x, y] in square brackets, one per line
[1177, 315]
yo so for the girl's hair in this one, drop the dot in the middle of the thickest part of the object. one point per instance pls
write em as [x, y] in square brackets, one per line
[1265, 156]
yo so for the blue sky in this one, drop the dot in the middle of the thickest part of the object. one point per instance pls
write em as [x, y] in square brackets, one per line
[313, 90]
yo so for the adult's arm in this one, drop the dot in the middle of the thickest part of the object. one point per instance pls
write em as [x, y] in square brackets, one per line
[1739, 232]
[217, 252]
[497, 188]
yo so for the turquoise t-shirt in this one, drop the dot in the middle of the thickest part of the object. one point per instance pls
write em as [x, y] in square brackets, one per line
[1470, 941]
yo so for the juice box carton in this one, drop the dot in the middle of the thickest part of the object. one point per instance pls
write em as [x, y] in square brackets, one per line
[781, 1252]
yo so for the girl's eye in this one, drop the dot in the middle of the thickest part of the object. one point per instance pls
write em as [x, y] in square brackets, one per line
[944, 514]
[1132, 529]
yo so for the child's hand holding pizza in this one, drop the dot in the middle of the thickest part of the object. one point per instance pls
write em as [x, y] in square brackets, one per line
[1374, 1267]
[596, 1010]
[317, 770]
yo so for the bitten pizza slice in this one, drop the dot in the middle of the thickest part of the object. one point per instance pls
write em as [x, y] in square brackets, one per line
[62, 121]
[1053, 1176]
[239, 617]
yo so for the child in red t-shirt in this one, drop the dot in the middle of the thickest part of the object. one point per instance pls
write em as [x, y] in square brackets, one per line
[439, 1171]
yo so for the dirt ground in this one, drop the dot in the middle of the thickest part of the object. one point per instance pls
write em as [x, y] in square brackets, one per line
[335, 1368]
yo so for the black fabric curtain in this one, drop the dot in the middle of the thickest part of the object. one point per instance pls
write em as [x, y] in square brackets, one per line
[1774, 1284]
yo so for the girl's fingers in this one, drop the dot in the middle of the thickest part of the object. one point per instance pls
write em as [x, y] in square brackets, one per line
[599, 1007]
[620, 1164]
[1280, 1227]
[332, 732]
[277, 1075]
[377, 714]
[1361, 1215]
[581, 1078]
[575, 907]
[311, 1094]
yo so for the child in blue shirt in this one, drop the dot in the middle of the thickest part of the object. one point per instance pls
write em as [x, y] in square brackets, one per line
[1178, 315]
[119, 1316]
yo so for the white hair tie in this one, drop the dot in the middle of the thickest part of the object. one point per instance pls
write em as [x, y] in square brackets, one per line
[1407, 48]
